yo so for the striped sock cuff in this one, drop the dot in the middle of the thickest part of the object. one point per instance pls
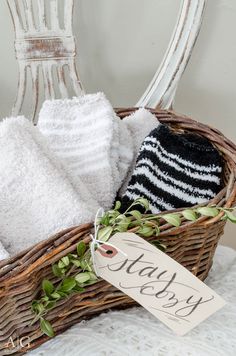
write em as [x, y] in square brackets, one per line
[175, 170]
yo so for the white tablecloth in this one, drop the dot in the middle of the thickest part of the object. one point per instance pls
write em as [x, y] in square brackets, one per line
[135, 332]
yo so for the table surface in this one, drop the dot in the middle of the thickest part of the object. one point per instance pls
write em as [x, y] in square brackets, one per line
[137, 332]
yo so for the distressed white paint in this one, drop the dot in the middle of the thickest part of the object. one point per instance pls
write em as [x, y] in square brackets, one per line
[41, 15]
[162, 89]
[47, 45]
[68, 14]
[43, 45]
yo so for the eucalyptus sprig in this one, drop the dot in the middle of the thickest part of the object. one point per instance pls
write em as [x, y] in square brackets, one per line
[149, 225]
[74, 272]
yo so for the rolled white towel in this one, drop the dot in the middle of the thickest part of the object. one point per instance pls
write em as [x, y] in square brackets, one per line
[3, 252]
[36, 197]
[139, 124]
[85, 133]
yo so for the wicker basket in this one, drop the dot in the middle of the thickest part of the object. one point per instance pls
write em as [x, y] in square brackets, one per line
[193, 245]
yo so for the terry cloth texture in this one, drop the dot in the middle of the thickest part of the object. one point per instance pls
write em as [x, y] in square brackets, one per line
[85, 133]
[3, 253]
[174, 171]
[139, 124]
[36, 197]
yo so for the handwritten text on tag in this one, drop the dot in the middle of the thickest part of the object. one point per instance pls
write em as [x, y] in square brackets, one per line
[157, 282]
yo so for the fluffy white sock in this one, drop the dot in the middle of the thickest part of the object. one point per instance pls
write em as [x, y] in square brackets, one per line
[36, 197]
[139, 124]
[85, 133]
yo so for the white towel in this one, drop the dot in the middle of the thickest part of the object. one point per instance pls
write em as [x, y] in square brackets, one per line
[36, 197]
[126, 152]
[85, 133]
[3, 252]
[139, 124]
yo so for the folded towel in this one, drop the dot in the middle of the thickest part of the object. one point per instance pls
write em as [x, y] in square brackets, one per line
[3, 253]
[85, 133]
[126, 152]
[174, 171]
[36, 196]
[139, 124]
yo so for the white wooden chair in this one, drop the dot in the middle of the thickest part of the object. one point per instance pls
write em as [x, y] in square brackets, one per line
[41, 43]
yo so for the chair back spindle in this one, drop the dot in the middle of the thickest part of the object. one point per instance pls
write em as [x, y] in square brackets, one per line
[44, 46]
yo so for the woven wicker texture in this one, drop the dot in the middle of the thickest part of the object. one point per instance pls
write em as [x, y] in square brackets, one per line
[192, 244]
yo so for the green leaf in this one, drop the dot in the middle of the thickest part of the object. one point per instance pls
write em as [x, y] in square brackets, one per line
[152, 223]
[145, 231]
[72, 256]
[47, 286]
[105, 220]
[68, 284]
[160, 246]
[135, 223]
[117, 205]
[46, 327]
[81, 248]
[189, 215]
[55, 295]
[157, 230]
[65, 260]
[50, 304]
[76, 262]
[113, 214]
[82, 277]
[85, 265]
[230, 216]
[105, 233]
[89, 283]
[123, 222]
[79, 289]
[142, 201]
[225, 217]
[45, 298]
[56, 271]
[136, 214]
[63, 294]
[207, 211]
[61, 264]
[173, 219]
[37, 307]
[121, 228]
[93, 276]
[121, 217]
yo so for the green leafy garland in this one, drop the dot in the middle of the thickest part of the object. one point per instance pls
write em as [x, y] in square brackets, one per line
[75, 272]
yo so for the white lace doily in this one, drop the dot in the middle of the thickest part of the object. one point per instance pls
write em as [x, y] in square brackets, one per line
[135, 332]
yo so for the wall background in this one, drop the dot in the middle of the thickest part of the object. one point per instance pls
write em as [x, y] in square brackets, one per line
[121, 43]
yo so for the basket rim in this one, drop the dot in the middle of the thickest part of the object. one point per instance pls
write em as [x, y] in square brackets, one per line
[175, 117]
[31, 259]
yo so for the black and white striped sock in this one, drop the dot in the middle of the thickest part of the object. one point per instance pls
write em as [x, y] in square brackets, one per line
[174, 171]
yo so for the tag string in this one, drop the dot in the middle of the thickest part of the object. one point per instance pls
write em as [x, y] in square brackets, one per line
[96, 242]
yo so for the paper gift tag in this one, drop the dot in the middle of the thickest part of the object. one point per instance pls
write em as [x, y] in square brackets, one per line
[156, 281]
